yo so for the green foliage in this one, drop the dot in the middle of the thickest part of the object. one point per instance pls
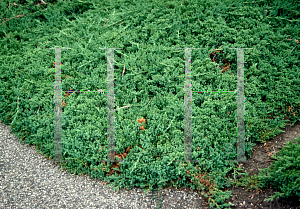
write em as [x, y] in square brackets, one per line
[152, 84]
[284, 173]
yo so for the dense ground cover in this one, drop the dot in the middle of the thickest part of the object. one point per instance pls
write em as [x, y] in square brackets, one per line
[149, 77]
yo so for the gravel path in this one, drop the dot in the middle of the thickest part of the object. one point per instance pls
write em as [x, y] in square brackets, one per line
[29, 180]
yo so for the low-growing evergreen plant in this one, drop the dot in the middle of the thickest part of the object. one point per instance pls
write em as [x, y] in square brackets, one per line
[152, 87]
[284, 173]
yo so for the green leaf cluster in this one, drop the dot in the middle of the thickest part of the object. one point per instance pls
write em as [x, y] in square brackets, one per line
[284, 173]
